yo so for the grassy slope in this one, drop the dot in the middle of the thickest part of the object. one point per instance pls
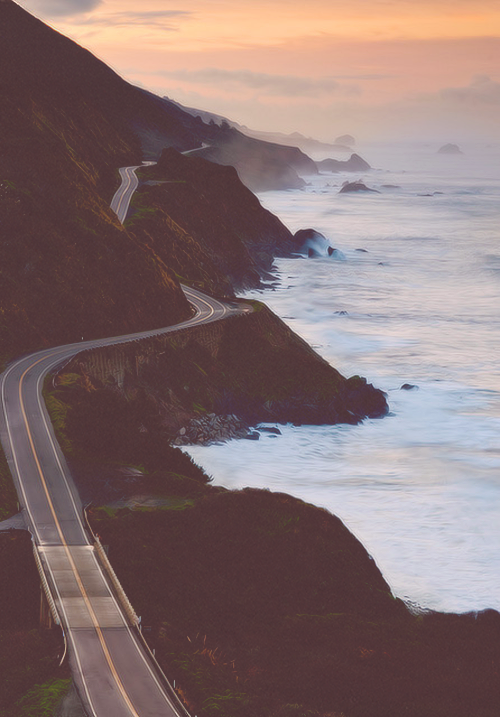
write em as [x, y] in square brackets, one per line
[8, 494]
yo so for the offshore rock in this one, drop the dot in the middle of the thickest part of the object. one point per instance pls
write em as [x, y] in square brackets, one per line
[311, 243]
[450, 149]
[354, 164]
[356, 187]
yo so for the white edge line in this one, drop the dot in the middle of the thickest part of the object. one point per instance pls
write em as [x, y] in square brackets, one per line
[14, 454]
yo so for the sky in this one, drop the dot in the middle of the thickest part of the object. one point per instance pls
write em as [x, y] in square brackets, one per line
[377, 69]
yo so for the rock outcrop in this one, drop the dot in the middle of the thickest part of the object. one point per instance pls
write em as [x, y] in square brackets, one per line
[347, 139]
[310, 242]
[252, 367]
[450, 149]
[354, 164]
[212, 429]
[350, 187]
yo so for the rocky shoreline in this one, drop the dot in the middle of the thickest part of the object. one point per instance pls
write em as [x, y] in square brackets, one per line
[215, 428]
[211, 429]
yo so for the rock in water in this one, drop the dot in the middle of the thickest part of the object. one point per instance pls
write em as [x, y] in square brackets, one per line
[336, 254]
[356, 187]
[450, 149]
[354, 164]
[310, 242]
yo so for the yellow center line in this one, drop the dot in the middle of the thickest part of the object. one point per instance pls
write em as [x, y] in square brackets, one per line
[68, 553]
[123, 192]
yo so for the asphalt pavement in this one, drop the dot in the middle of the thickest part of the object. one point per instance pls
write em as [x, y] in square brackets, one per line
[113, 672]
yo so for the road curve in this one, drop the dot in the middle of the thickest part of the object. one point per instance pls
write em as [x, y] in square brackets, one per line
[112, 671]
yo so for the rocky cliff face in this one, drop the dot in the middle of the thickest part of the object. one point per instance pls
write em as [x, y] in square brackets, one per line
[206, 224]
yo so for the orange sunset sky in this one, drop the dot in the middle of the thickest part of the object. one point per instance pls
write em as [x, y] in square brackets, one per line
[378, 69]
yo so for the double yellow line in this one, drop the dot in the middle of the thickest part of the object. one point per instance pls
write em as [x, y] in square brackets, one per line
[81, 587]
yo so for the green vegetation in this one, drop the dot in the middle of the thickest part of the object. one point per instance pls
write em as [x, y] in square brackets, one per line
[43, 700]
[58, 412]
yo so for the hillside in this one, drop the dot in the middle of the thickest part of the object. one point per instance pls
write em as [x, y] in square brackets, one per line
[261, 165]
[68, 269]
[36, 61]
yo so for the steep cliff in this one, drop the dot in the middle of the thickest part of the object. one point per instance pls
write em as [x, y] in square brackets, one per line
[261, 166]
[206, 224]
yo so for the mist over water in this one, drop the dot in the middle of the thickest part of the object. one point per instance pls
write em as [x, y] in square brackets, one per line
[419, 305]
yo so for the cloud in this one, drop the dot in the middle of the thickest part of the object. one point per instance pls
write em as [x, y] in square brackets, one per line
[61, 8]
[481, 91]
[157, 18]
[277, 85]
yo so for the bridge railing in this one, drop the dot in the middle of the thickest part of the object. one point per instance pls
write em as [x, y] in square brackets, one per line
[45, 585]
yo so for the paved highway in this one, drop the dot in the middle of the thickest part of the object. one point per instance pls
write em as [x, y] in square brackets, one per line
[123, 195]
[112, 671]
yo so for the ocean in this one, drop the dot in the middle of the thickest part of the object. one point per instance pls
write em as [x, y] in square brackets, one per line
[411, 296]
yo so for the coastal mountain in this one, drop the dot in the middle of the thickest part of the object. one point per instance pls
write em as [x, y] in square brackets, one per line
[262, 605]
[67, 122]
[68, 269]
[38, 62]
[295, 139]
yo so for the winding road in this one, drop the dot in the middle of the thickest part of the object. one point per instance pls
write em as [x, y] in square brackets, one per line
[113, 672]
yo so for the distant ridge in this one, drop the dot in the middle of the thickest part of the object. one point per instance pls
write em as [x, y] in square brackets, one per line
[295, 139]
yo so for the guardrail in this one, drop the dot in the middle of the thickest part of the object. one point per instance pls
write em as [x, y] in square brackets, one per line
[50, 599]
[163, 676]
[120, 592]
